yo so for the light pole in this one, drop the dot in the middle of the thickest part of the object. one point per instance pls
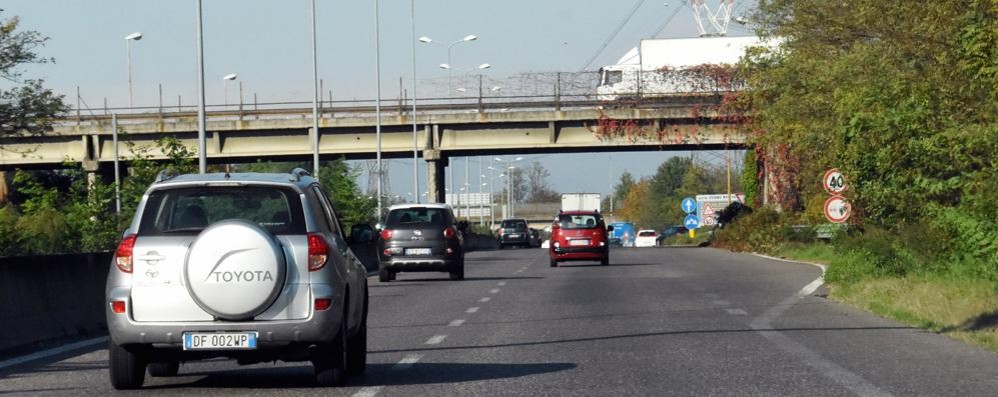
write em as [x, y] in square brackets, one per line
[466, 39]
[509, 181]
[225, 85]
[128, 48]
[448, 67]
[202, 157]
[377, 104]
[315, 107]
[415, 147]
[481, 188]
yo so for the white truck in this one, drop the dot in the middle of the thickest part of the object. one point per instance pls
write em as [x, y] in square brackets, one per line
[654, 68]
[580, 202]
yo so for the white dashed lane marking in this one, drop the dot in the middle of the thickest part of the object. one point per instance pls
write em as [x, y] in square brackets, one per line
[472, 309]
[502, 283]
[456, 323]
[436, 339]
[720, 302]
[485, 299]
[736, 312]
[494, 291]
[405, 363]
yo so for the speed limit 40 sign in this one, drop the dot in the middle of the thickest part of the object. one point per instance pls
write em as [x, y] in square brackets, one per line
[834, 181]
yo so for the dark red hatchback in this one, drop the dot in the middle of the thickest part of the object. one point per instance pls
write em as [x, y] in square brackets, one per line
[579, 236]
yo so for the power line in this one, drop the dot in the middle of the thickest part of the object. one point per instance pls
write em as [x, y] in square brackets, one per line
[613, 35]
[661, 27]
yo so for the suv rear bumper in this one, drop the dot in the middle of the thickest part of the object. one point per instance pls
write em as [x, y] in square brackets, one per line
[318, 327]
[417, 264]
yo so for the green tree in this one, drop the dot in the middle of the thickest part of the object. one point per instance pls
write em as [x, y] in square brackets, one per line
[26, 106]
[340, 182]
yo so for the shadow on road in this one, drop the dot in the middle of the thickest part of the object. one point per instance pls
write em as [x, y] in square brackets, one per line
[377, 375]
[409, 281]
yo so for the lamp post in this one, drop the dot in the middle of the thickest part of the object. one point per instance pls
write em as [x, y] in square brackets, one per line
[128, 48]
[448, 67]
[225, 86]
[315, 107]
[466, 39]
[415, 147]
[377, 104]
[509, 180]
[202, 157]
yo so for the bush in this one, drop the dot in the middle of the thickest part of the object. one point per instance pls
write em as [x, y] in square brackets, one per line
[10, 243]
[764, 230]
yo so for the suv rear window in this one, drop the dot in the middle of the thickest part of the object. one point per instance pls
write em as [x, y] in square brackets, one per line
[190, 210]
[417, 216]
[583, 221]
[514, 224]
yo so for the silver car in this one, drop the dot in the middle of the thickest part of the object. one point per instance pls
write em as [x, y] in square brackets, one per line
[253, 267]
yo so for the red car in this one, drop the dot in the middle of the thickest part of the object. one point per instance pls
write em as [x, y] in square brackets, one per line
[579, 236]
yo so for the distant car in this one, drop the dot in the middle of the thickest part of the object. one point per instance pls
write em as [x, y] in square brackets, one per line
[671, 231]
[514, 232]
[579, 236]
[420, 238]
[535, 238]
[646, 238]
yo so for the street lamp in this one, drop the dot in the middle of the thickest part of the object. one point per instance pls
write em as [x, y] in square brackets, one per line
[466, 39]
[225, 85]
[415, 147]
[128, 47]
[202, 145]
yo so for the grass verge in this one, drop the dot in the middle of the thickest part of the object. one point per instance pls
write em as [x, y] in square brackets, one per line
[962, 308]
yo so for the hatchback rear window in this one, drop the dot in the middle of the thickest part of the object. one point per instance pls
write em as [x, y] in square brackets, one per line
[578, 221]
[190, 210]
[514, 224]
[416, 216]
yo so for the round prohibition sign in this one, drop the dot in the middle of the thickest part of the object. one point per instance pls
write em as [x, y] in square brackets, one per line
[834, 181]
[837, 209]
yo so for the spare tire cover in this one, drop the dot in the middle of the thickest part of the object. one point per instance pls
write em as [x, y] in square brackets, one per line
[235, 269]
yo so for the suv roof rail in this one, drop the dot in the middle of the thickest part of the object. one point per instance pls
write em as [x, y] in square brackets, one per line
[165, 175]
[299, 173]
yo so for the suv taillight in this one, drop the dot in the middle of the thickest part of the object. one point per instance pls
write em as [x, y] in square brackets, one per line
[123, 255]
[318, 252]
[450, 233]
[386, 234]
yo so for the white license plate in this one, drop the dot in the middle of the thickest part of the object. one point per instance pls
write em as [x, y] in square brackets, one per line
[417, 251]
[220, 340]
[514, 236]
[578, 242]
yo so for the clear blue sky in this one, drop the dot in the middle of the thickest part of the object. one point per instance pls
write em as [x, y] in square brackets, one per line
[268, 44]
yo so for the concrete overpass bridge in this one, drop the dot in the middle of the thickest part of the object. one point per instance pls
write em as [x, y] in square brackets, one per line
[461, 128]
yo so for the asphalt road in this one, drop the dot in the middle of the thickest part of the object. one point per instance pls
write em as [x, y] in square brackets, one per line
[658, 321]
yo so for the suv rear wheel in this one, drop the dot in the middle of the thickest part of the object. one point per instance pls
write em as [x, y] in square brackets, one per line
[554, 263]
[127, 369]
[385, 275]
[331, 363]
[357, 346]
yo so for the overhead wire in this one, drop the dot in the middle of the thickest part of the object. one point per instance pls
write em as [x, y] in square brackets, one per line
[612, 35]
[661, 27]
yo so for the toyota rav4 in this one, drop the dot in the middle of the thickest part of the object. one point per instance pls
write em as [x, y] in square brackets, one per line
[252, 267]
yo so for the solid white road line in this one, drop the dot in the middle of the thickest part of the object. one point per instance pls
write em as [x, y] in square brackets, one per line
[436, 339]
[848, 379]
[52, 352]
[494, 291]
[485, 299]
[736, 312]
[472, 309]
[456, 323]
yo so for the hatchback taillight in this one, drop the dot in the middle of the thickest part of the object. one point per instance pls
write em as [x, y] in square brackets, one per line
[123, 255]
[318, 252]
[450, 233]
[386, 234]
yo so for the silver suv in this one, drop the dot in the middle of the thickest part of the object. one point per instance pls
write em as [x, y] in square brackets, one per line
[253, 267]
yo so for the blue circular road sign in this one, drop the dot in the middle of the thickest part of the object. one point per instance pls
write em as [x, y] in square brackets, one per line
[692, 221]
[689, 205]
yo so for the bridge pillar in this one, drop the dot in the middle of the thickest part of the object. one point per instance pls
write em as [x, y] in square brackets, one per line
[436, 162]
